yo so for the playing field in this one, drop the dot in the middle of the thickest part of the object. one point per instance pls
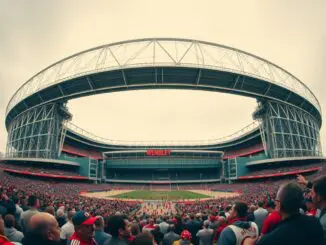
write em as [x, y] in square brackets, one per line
[160, 195]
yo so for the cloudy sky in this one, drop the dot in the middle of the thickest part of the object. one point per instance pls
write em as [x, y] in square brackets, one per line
[35, 34]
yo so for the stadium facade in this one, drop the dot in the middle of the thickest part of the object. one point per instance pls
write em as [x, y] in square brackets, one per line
[285, 130]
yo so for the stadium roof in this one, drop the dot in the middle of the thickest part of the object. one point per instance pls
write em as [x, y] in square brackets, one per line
[162, 63]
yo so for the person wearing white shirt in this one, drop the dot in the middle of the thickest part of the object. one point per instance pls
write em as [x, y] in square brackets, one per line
[68, 228]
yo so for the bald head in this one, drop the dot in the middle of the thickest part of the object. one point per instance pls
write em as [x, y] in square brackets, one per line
[44, 226]
[41, 218]
[290, 197]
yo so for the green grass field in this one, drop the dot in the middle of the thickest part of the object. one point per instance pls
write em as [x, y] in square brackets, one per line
[159, 195]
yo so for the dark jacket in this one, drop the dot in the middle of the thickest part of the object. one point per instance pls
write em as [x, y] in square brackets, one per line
[101, 237]
[33, 240]
[115, 241]
[158, 236]
[170, 237]
[61, 221]
[251, 217]
[193, 227]
[296, 230]
[7, 207]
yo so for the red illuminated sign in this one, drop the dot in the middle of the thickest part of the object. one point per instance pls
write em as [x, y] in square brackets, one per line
[153, 152]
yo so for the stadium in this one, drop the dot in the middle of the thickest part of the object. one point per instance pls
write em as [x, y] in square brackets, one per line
[282, 141]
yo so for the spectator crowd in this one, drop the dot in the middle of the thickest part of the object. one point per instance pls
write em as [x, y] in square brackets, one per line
[35, 212]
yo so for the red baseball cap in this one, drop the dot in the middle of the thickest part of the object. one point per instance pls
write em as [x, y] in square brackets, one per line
[83, 218]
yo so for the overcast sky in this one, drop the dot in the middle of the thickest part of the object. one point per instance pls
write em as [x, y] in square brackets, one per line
[35, 34]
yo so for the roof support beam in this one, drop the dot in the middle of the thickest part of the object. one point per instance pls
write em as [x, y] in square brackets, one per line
[198, 76]
[61, 90]
[267, 90]
[90, 83]
[124, 77]
[236, 81]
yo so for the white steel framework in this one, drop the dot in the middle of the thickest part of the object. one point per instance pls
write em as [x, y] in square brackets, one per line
[289, 131]
[36, 133]
[161, 52]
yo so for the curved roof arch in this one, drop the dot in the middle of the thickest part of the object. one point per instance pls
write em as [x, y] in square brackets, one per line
[194, 64]
[238, 135]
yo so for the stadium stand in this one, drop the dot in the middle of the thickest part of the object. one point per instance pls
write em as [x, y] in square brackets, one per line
[251, 150]
[77, 151]
[276, 171]
[49, 171]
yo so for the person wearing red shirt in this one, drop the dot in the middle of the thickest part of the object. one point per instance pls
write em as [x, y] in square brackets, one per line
[149, 227]
[272, 219]
[84, 229]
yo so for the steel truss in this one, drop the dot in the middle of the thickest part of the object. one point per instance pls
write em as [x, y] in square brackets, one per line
[36, 132]
[289, 131]
[161, 52]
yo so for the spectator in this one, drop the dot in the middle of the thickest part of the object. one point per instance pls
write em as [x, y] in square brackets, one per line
[144, 239]
[222, 224]
[178, 225]
[213, 223]
[84, 229]
[149, 227]
[185, 239]
[318, 194]
[272, 219]
[157, 234]
[126, 234]
[227, 211]
[67, 229]
[164, 226]
[260, 215]
[61, 217]
[7, 206]
[239, 229]
[42, 229]
[295, 228]
[251, 216]
[170, 236]
[34, 204]
[3, 239]
[19, 210]
[10, 231]
[135, 229]
[117, 227]
[205, 235]
[193, 227]
[50, 210]
[100, 236]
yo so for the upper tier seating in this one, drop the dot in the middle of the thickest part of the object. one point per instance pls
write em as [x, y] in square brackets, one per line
[74, 151]
[282, 169]
[37, 169]
[244, 151]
